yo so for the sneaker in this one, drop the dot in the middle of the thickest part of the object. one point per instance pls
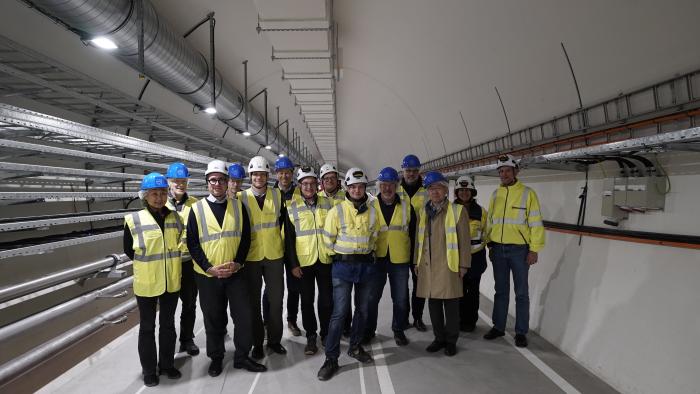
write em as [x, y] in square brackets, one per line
[215, 367]
[293, 328]
[189, 347]
[277, 348]
[171, 373]
[435, 346]
[359, 354]
[400, 338]
[419, 325]
[150, 380]
[329, 368]
[520, 340]
[258, 353]
[450, 349]
[493, 334]
[311, 347]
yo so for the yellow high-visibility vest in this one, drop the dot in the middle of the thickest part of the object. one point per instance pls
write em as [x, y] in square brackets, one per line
[184, 215]
[347, 232]
[157, 264]
[514, 217]
[219, 242]
[478, 229]
[451, 240]
[308, 226]
[335, 200]
[418, 200]
[265, 233]
[393, 238]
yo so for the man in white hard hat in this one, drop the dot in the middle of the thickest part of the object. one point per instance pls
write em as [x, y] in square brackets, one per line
[218, 238]
[331, 184]
[465, 193]
[350, 233]
[308, 255]
[515, 236]
[267, 212]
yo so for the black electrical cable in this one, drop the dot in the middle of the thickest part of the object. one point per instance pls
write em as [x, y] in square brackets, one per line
[642, 235]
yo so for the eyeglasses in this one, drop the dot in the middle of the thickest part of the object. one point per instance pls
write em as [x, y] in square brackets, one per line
[217, 181]
[308, 184]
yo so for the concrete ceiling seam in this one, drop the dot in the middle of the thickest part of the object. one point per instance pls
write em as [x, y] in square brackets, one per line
[167, 57]
[311, 70]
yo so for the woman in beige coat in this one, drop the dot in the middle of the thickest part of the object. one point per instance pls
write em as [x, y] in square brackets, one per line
[442, 257]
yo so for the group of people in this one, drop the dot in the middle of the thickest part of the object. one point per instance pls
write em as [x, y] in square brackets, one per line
[320, 237]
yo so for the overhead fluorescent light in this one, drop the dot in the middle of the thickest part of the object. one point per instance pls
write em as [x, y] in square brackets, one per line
[104, 43]
[246, 133]
[210, 110]
[281, 155]
[268, 147]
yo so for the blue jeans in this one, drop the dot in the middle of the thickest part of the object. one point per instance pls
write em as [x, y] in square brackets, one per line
[342, 290]
[507, 258]
[398, 283]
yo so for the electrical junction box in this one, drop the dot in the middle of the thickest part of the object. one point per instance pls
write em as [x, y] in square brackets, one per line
[646, 193]
[614, 196]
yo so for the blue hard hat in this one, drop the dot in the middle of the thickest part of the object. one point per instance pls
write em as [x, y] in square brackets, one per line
[177, 170]
[236, 171]
[410, 161]
[388, 174]
[283, 163]
[432, 177]
[154, 180]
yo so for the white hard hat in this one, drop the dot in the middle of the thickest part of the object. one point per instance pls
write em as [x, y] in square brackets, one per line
[326, 168]
[258, 164]
[216, 166]
[305, 172]
[355, 175]
[465, 182]
[507, 161]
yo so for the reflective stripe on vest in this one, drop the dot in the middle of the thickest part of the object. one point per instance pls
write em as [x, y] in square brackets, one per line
[157, 263]
[308, 227]
[451, 240]
[510, 222]
[357, 239]
[393, 239]
[219, 242]
[266, 236]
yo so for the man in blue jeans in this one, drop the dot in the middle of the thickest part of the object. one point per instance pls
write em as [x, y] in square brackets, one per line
[394, 249]
[350, 233]
[516, 235]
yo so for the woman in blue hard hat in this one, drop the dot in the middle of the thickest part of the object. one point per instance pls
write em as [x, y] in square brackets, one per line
[152, 240]
[442, 257]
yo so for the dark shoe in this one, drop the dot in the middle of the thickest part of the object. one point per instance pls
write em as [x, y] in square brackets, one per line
[400, 338]
[189, 347]
[435, 346]
[360, 355]
[293, 328]
[257, 353]
[367, 338]
[249, 365]
[215, 367]
[450, 349]
[419, 325]
[311, 347]
[150, 380]
[171, 373]
[277, 348]
[467, 327]
[520, 340]
[329, 368]
[493, 334]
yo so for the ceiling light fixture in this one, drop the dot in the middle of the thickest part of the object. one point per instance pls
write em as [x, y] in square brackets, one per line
[268, 147]
[104, 43]
[246, 133]
[210, 110]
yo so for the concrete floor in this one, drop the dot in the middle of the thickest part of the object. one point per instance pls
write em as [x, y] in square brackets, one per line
[479, 367]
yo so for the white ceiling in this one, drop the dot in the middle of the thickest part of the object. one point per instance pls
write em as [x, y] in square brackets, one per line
[410, 66]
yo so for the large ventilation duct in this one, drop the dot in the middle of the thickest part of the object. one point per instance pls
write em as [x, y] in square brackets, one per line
[168, 58]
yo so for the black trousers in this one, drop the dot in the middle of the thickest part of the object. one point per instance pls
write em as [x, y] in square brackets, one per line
[273, 273]
[444, 314]
[319, 275]
[148, 354]
[214, 295]
[188, 296]
[293, 297]
[417, 303]
[469, 303]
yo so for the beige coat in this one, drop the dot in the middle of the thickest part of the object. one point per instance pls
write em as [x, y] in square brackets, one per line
[435, 280]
